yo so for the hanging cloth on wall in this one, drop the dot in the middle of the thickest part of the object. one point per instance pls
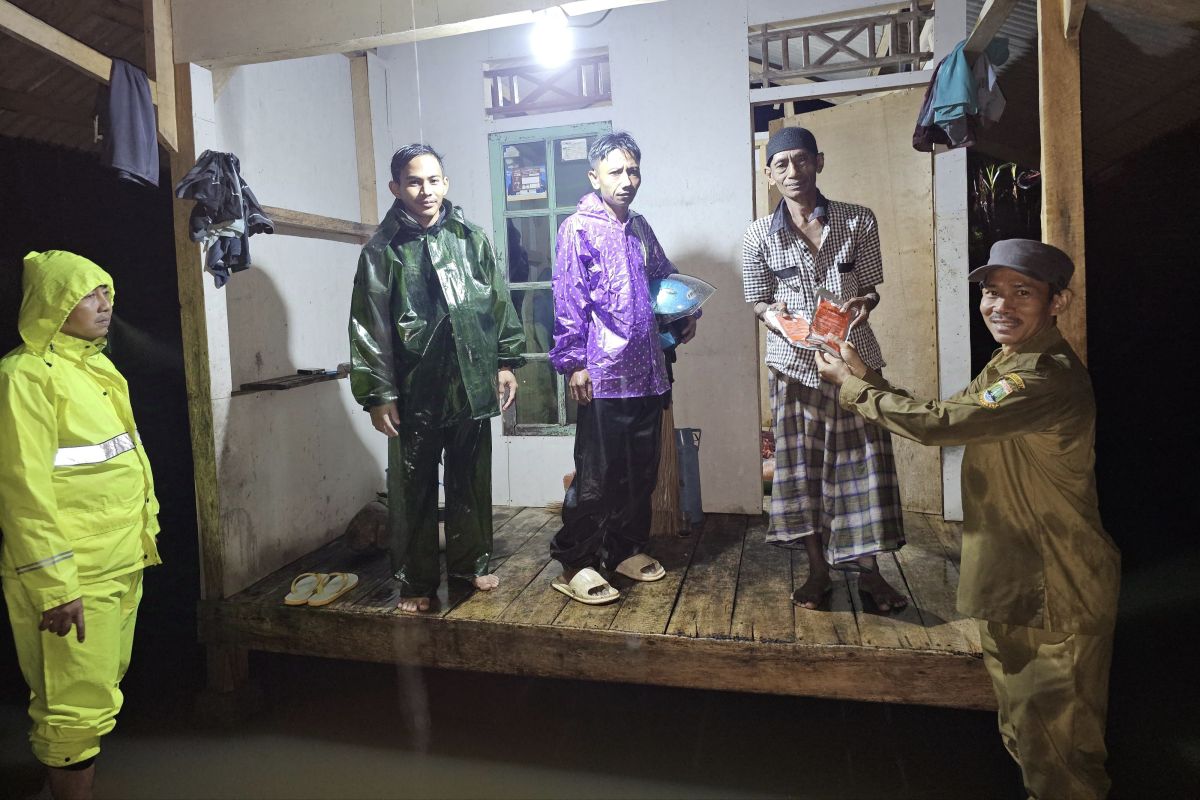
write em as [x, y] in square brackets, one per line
[226, 213]
[127, 125]
[959, 99]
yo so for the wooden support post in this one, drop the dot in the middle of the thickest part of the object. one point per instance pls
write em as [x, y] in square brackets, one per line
[160, 65]
[190, 269]
[1062, 157]
[364, 141]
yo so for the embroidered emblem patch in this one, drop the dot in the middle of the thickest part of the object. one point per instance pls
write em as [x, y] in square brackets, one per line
[1007, 385]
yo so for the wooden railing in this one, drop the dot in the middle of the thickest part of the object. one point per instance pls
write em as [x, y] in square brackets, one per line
[807, 50]
[530, 89]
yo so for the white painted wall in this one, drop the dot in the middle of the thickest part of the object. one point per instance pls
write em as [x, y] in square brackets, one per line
[690, 116]
[294, 465]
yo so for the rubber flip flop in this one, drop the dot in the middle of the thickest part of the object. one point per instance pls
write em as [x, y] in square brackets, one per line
[303, 587]
[580, 588]
[334, 586]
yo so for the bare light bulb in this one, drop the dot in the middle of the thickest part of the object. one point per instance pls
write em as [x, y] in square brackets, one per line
[551, 41]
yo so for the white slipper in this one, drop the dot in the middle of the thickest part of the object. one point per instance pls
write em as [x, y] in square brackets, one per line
[635, 567]
[303, 587]
[581, 588]
[334, 586]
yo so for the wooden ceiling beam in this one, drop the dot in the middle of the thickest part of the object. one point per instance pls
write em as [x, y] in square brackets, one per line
[991, 18]
[205, 35]
[47, 38]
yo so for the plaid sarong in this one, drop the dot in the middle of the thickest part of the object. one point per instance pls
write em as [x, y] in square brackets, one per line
[834, 475]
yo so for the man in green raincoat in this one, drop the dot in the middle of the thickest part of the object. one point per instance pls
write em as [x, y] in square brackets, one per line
[434, 340]
[78, 512]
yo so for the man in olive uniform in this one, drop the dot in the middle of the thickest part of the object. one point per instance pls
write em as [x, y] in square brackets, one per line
[434, 340]
[1039, 573]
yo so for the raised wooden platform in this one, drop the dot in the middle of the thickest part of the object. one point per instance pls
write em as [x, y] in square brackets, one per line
[721, 619]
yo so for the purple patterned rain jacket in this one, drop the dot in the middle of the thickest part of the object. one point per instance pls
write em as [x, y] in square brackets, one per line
[602, 315]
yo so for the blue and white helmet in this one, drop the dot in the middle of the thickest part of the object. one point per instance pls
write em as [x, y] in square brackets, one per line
[678, 296]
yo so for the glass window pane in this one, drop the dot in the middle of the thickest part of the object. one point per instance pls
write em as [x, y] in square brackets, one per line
[571, 169]
[525, 186]
[535, 308]
[537, 398]
[529, 243]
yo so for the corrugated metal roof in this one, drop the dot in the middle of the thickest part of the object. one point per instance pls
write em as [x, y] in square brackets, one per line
[1140, 74]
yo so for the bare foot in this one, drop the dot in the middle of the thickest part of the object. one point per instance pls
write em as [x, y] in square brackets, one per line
[413, 605]
[814, 592]
[485, 583]
[872, 585]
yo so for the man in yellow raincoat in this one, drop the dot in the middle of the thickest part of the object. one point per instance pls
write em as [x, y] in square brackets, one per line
[77, 511]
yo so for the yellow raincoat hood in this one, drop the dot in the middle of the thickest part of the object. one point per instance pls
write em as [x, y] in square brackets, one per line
[53, 284]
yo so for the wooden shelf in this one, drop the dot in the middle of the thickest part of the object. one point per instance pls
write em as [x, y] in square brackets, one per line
[315, 226]
[289, 382]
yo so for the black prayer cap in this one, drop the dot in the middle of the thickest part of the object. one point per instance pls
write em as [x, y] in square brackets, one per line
[791, 139]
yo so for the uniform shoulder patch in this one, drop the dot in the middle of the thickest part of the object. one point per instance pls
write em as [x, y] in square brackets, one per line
[1008, 385]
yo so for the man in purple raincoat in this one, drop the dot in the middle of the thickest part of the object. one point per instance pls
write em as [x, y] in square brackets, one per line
[606, 341]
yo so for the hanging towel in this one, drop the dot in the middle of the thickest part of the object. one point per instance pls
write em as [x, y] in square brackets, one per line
[129, 125]
[957, 101]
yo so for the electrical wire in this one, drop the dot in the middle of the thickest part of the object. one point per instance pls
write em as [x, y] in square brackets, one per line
[603, 17]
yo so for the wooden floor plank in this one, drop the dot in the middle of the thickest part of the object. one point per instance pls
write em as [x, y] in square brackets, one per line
[647, 607]
[722, 584]
[705, 604]
[933, 581]
[381, 592]
[934, 535]
[579, 615]
[538, 603]
[278, 582]
[502, 514]
[837, 624]
[511, 535]
[896, 629]
[850, 673]
[515, 574]
[762, 609]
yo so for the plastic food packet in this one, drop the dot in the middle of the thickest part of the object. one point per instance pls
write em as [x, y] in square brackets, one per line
[794, 328]
[830, 324]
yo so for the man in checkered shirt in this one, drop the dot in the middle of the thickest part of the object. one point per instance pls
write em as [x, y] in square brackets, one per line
[835, 487]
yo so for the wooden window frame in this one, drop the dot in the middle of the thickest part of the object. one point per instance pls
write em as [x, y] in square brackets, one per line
[500, 216]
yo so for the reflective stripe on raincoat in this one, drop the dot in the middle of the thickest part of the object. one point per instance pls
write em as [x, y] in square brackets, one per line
[77, 500]
[396, 310]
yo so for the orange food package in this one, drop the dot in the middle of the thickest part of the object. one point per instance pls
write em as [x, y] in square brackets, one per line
[794, 328]
[830, 326]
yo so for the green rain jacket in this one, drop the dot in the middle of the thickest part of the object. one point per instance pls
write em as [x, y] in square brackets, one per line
[77, 500]
[398, 308]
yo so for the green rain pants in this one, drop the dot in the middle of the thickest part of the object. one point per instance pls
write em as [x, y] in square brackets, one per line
[413, 459]
[75, 691]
